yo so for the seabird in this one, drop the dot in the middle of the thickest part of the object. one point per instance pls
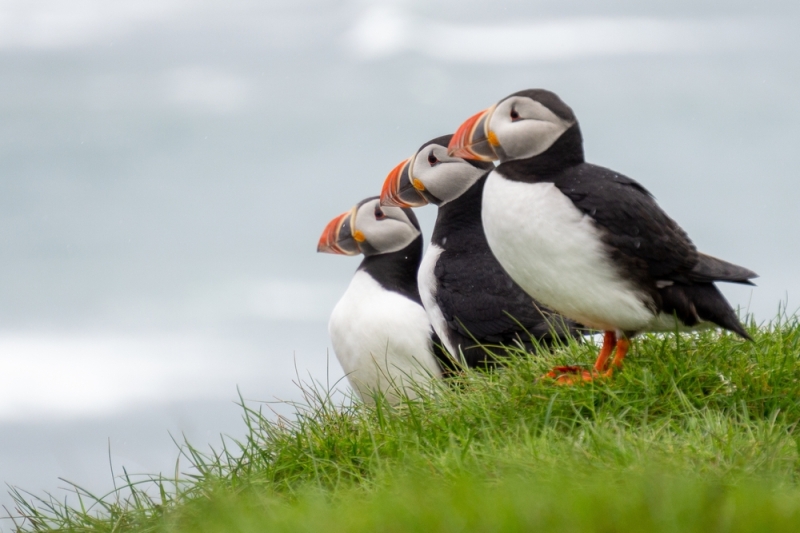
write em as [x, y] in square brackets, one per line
[584, 240]
[379, 330]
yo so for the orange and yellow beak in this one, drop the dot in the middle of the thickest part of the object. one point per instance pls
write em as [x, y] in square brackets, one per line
[474, 139]
[401, 189]
[340, 236]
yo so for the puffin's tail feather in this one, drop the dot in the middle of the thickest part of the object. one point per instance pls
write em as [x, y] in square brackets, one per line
[709, 269]
[701, 302]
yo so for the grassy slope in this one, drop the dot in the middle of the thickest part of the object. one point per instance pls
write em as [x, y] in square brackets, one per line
[698, 433]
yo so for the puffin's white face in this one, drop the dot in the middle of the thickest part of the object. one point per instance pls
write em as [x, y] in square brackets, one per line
[368, 228]
[521, 127]
[383, 229]
[444, 177]
[430, 175]
[517, 127]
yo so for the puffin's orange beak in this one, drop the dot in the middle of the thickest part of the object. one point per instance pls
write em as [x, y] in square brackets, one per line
[400, 189]
[474, 140]
[338, 238]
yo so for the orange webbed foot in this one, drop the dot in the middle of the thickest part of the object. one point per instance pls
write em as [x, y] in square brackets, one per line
[573, 375]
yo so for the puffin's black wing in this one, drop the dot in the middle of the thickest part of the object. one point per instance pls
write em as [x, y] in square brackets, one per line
[643, 240]
[651, 248]
[481, 302]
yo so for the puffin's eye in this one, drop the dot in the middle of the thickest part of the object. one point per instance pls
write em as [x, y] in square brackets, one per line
[432, 159]
[379, 214]
[514, 114]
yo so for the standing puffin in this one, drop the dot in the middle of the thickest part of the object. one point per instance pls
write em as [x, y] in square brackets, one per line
[379, 329]
[585, 240]
[471, 302]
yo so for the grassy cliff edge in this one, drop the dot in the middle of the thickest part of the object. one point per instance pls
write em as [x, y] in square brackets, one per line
[697, 433]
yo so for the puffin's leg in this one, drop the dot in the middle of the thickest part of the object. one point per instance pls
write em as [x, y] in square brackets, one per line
[623, 345]
[569, 375]
[609, 339]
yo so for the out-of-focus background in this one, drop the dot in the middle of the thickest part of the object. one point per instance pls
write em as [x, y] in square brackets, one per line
[167, 166]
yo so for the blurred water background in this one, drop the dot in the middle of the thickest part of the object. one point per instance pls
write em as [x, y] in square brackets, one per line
[167, 166]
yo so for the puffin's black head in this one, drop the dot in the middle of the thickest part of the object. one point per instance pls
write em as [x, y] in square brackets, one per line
[431, 176]
[369, 229]
[523, 125]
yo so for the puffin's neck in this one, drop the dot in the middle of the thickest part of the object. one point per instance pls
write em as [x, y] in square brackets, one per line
[397, 271]
[460, 216]
[566, 152]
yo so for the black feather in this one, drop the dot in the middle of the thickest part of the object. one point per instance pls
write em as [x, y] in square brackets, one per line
[397, 271]
[701, 302]
[710, 269]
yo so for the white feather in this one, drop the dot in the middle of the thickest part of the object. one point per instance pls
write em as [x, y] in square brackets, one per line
[427, 292]
[382, 340]
[555, 253]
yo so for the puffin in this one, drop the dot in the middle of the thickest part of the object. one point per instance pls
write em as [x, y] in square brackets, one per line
[379, 330]
[472, 303]
[584, 240]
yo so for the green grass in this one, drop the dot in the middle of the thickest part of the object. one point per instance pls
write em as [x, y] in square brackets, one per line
[698, 433]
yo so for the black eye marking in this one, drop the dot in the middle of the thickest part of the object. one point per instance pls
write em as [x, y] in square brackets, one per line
[379, 214]
[432, 159]
[514, 114]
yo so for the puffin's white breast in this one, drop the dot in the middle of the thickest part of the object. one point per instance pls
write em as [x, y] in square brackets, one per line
[427, 292]
[555, 253]
[381, 339]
